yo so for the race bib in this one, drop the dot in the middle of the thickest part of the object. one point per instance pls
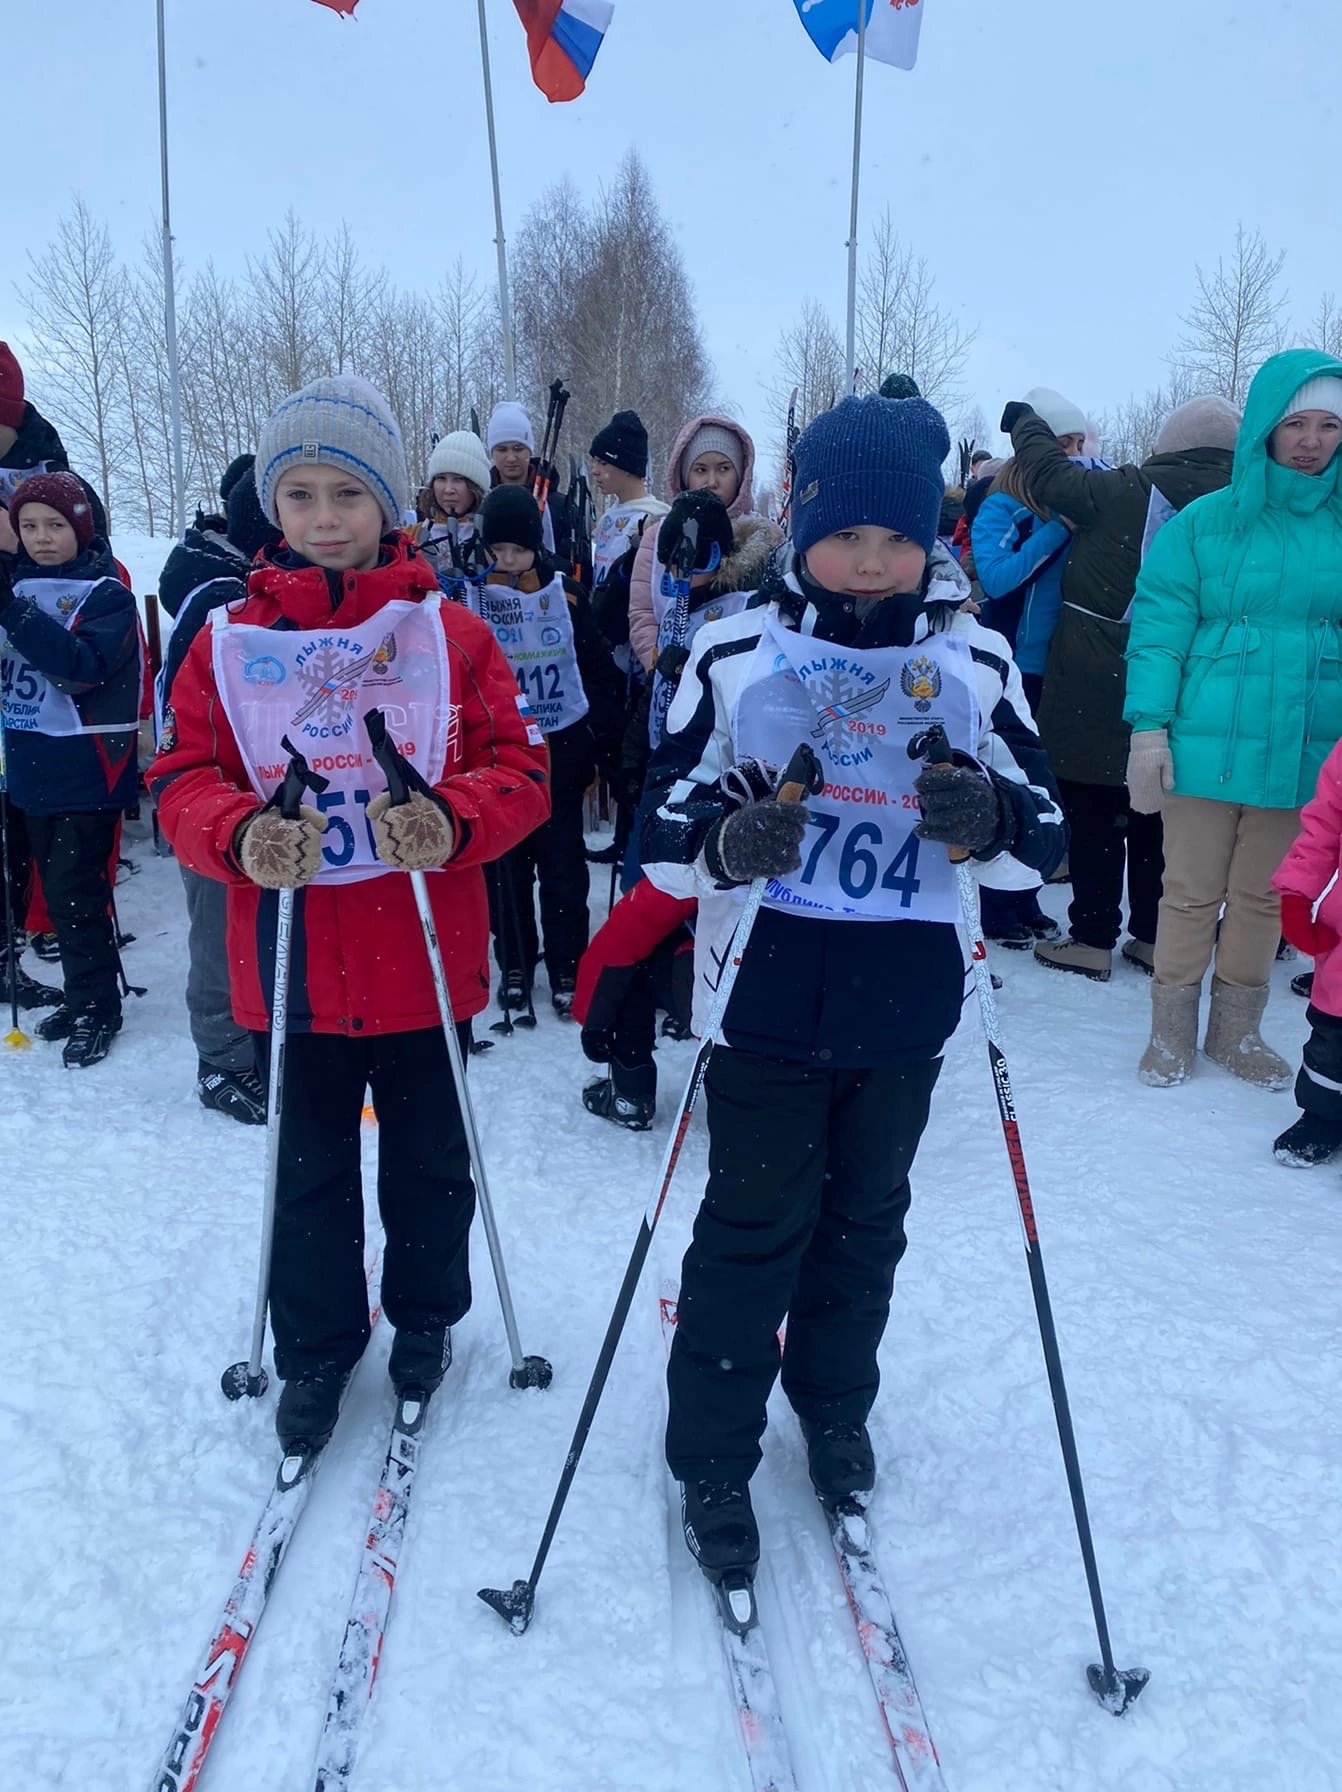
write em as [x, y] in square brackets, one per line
[730, 604]
[315, 688]
[29, 702]
[861, 859]
[535, 631]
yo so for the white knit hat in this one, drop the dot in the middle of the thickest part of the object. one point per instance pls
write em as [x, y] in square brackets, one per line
[341, 422]
[1321, 394]
[508, 422]
[1061, 415]
[461, 452]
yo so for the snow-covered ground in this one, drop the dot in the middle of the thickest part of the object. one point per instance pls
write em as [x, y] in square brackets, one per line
[1195, 1285]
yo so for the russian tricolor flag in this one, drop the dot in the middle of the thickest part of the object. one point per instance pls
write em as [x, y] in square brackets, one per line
[563, 37]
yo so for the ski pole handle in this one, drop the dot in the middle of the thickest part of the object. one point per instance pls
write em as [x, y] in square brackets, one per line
[389, 762]
[934, 749]
[803, 776]
[687, 550]
[300, 777]
[403, 780]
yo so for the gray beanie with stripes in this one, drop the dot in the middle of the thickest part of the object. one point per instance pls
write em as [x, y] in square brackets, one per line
[342, 422]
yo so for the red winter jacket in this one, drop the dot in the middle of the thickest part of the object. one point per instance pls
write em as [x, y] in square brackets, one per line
[636, 926]
[359, 963]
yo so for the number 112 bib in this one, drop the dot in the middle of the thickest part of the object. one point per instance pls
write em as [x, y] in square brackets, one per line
[858, 711]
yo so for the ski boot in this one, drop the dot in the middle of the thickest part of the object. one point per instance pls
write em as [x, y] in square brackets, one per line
[309, 1406]
[1302, 984]
[627, 1096]
[1014, 936]
[90, 1037]
[419, 1360]
[724, 1539]
[27, 991]
[562, 991]
[46, 947]
[513, 992]
[841, 1461]
[238, 1093]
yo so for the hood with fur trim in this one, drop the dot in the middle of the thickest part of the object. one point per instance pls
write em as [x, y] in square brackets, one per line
[754, 539]
[744, 502]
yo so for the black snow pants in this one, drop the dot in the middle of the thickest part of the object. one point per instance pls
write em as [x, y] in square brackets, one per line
[71, 854]
[318, 1296]
[803, 1217]
[1318, 1085]
[555, 855]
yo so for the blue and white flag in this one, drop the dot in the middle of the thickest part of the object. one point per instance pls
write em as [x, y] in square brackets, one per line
[892, 28]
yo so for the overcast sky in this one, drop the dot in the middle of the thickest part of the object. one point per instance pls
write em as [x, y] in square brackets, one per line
[1062, 164]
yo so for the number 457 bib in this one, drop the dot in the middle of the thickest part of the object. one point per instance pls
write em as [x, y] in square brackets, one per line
[861, 859]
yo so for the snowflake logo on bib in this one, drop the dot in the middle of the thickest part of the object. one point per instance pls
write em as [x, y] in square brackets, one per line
[843, 701]
[921, 680]
[332, 682]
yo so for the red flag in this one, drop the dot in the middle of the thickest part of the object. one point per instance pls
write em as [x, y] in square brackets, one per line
[344, 7]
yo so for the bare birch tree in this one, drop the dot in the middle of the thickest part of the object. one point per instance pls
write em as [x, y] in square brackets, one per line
[75, 298]
[1236, 318]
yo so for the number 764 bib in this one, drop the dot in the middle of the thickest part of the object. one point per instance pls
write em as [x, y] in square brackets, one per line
[861, 859]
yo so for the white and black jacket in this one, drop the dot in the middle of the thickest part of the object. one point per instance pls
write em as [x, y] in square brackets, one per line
[821, 990]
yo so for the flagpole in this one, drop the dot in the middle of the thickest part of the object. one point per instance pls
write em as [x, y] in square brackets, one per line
[505, 304]
[169, 295]
[857, 171]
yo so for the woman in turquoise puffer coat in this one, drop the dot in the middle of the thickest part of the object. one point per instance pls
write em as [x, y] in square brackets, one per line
[1234, 694]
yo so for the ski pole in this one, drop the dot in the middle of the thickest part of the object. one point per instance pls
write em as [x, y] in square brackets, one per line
[538, 484]
[527, 1371]
[250, 1378]
[16, 1039]
[1115, 1688]
[516, 1605]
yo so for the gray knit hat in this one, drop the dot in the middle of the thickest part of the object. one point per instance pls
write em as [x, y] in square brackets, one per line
[341, 422]
[1209, 422]
[712, 438]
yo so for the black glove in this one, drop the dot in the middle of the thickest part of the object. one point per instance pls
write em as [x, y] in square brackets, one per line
[1012, 415]
[715, 528]
[960, 807]
[671, 662]
[759, 840]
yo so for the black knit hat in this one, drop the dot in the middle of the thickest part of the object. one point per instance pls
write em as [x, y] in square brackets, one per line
[510, 514]
[249, 528]
[240, 464]
[900, 385]
[623, 443]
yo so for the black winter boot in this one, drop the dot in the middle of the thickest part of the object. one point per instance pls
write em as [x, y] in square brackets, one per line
[841, 1460]
[1310, 1141]
[720, 1526]
[309, 1406]
[419, 1360]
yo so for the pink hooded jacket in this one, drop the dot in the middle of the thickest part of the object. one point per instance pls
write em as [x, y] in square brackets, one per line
[1313, 861]
[642, 618]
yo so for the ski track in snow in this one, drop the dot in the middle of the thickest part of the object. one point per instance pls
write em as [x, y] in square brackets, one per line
[1194, 1288]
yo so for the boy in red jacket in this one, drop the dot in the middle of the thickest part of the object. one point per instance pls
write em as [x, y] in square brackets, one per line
[342, 617]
